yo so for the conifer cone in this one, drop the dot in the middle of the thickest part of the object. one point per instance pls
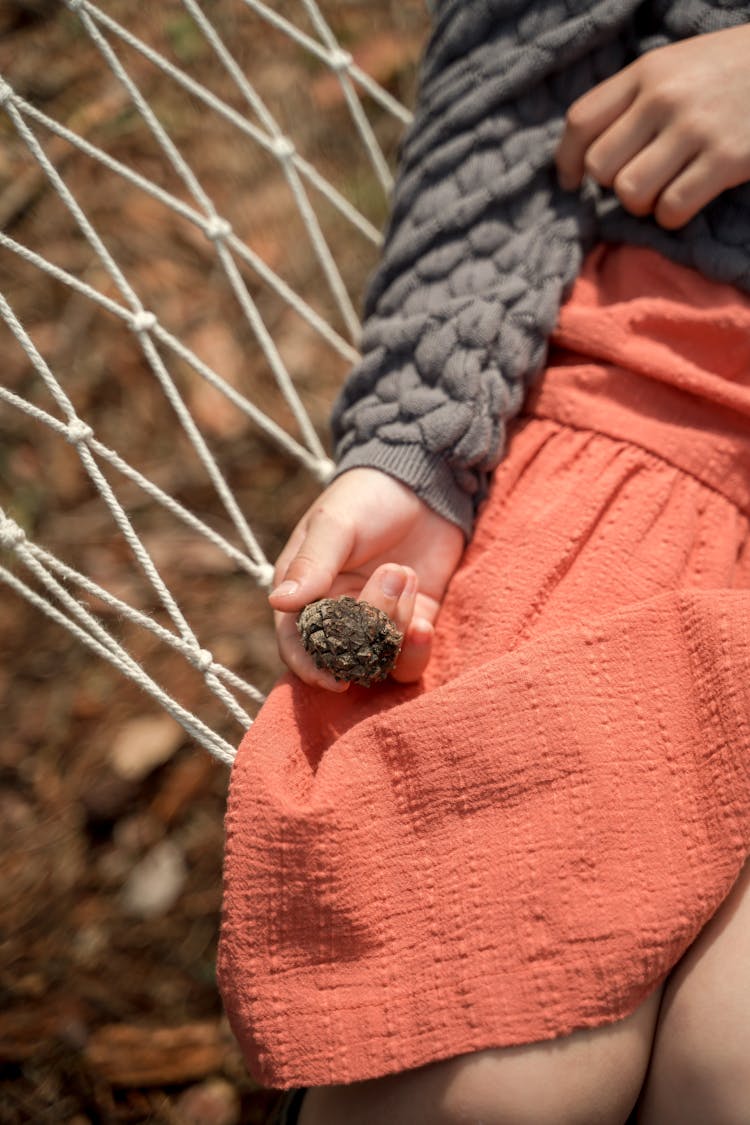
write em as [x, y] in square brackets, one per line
[352, 640]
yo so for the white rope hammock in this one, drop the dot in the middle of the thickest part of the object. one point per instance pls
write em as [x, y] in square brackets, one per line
[327, 312]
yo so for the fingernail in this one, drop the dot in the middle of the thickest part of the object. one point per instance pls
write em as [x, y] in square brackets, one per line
[284, 589]
[422, 630]
[392, 583]
[333, 685]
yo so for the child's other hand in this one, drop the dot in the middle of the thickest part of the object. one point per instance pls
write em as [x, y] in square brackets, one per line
[668, 133]
[371, 537]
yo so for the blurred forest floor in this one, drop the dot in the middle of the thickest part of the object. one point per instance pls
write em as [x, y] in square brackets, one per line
[111, 820]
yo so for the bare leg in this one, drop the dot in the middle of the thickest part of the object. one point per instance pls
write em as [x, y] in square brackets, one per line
[700, 1069]
[591, 1077]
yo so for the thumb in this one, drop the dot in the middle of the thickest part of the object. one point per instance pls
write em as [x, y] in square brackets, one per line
[317, 560]
[415, 651]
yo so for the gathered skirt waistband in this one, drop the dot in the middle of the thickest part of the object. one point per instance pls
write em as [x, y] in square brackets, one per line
[644, 351]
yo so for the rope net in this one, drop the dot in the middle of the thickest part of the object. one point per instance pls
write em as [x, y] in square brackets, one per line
[189, 207]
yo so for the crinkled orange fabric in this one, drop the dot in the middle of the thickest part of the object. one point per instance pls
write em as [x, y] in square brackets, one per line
[526, 842]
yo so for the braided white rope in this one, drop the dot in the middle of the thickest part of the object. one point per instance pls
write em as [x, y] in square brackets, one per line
[337, 59]
[342, 61]
[304, 167]
[91, 633]
[55, 579]
[283, 148]
[321, 467]
[209, 228]
[217, 229]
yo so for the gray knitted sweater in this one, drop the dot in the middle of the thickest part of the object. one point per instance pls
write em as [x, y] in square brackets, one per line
[483, 245]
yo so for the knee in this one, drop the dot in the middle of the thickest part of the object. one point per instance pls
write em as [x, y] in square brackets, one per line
[694, 1080]
[588, 1078]
[540, 1086]
[720, 1091]
[469, 1096]
[591, 1077]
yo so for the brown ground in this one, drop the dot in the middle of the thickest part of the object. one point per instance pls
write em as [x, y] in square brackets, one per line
[110, 819]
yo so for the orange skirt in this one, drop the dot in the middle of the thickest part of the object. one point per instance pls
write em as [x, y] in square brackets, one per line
[526, 842]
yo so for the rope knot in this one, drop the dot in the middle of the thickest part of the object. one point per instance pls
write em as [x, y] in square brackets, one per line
[282, 148]
[339, 60]
[265, 576]
[6, 92]
[143, 321]
[324, 469]
[78, 432]
[203, 659]
[74, 5]
[11, 534]
[217, 228]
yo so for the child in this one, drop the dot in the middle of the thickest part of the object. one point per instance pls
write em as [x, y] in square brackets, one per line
[511, 884]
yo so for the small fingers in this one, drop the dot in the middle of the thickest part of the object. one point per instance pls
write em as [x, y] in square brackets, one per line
[701, 181]
[314, 556]
[297, 659]
[291, 547]
[587, 119]
[392, 588]
[415, 652]
[617, 146]
[395, 589]
[639, 183]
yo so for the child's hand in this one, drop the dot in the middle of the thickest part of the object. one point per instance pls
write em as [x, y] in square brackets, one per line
[668, 133]
[371, 537]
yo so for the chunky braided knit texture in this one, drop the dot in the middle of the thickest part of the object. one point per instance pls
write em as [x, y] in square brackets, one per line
[483, 245]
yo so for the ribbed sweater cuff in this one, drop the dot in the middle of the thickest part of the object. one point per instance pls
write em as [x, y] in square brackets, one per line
[425, 473]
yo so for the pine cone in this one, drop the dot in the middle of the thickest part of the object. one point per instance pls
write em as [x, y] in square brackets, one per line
[352, 640]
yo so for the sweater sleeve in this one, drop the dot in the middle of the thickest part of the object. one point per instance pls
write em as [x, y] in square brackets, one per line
[482, 244]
